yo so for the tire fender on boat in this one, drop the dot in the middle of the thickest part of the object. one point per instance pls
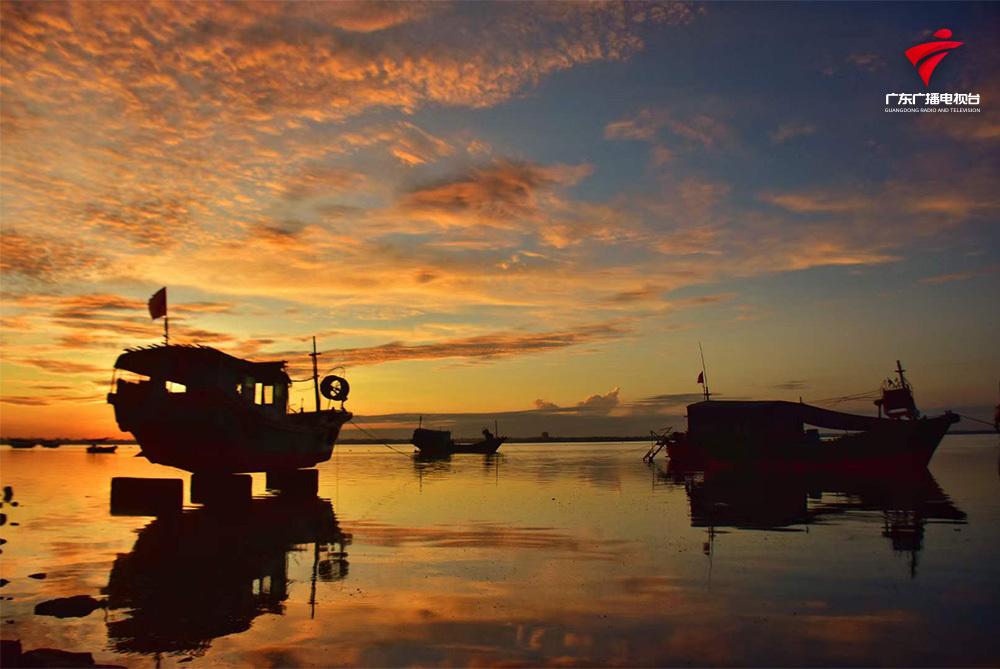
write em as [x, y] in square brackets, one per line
[335, 388]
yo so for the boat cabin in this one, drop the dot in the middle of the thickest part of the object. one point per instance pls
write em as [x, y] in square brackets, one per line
[767, 424]
[185, 369]
[431, 439]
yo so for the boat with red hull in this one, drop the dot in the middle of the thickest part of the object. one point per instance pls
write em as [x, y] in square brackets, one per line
[773, 435]
[202, 410]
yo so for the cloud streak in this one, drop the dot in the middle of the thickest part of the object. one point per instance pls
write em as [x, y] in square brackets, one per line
[482, 347]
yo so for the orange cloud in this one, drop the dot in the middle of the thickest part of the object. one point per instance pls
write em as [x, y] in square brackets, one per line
[45, 259]
[791, 130]
[310, 60]
[647, 124]
[482, 347]
[643, 126]
[61, 366]
[958, 276]
[817, 202]
[500, 193]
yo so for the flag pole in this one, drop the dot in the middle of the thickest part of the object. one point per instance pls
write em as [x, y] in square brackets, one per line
[157, 305]
[704, 373]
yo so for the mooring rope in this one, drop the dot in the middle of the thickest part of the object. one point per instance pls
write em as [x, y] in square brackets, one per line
[977, 420]
[871, 394]
[377, 438]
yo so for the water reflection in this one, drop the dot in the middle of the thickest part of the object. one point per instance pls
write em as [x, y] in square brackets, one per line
[205, 573]
[739, 500]
[429, 464]
[486, 564]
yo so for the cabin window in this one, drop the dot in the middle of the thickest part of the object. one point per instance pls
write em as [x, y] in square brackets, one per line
[174, 387]
[129, 377]
[264, 394]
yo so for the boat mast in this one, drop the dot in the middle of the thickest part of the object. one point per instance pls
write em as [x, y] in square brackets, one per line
[314, 355]
[704, 374]
[902, 379]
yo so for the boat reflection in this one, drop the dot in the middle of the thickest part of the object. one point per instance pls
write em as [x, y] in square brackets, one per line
[204, 573]
[434, 466]
[740, 500]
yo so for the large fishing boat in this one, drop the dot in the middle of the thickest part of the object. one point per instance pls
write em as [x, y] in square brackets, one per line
[773, 434]
[199, 409]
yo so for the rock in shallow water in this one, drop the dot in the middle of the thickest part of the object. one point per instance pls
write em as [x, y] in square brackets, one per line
[69, 607]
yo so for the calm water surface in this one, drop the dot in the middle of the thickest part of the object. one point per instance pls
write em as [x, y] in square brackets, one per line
[569, 554]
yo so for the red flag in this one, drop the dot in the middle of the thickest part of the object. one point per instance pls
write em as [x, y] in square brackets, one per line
[701, 375]
[158, 304]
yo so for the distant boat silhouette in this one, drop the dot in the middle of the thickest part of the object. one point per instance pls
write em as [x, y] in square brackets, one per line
[435, 443]
[227, 415]
[97, 448]
[771, 434]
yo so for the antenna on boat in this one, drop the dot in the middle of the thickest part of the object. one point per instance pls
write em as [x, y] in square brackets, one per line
[704, 374]
[900, 370]
[314, 355]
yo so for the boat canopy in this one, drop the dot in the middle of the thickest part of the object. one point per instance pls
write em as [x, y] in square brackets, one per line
[429, 439]
[199, 366]
[773, 416]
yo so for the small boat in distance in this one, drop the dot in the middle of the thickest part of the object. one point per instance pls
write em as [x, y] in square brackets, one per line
[202, 410]
[97, 448]
[439, 443]
[772, 434]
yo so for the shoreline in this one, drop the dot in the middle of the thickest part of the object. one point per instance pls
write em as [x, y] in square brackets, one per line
[403, 441]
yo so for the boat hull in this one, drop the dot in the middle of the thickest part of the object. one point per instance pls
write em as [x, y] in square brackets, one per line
[438, 443]
[891, 446]
[484, 447]
[210, 431]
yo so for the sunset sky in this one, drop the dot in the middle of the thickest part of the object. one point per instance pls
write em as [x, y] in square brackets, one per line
[531, 211]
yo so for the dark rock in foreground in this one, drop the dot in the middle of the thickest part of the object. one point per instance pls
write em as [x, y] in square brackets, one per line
[69, 607]
[12, 657]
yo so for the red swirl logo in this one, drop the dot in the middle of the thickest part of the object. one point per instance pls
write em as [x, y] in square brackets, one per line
[925, 57]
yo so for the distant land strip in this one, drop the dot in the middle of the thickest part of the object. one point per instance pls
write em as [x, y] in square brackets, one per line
[398, 440]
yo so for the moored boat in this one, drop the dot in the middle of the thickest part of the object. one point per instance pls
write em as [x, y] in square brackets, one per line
[440, 443]
[773, 434]
[202, 410]
[98, 448]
